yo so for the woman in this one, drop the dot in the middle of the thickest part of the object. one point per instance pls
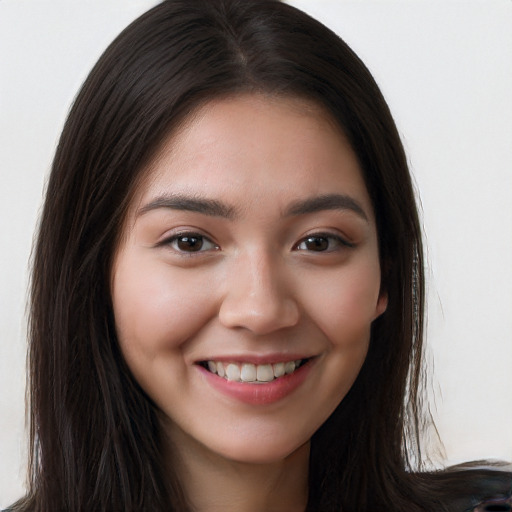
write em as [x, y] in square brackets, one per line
[230, 203]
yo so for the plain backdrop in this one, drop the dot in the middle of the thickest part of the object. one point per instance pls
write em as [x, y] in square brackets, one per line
[445, 68]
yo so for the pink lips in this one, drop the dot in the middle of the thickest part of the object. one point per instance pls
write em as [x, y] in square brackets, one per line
[261, 393]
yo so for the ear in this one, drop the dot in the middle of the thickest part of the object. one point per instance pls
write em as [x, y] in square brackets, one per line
[382, 304]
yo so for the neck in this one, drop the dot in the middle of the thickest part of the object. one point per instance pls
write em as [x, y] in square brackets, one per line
[216, 484]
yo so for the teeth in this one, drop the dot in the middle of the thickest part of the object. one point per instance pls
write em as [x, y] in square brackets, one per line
[289, 367]
[279, 370]
[248, 372]
[233, 372]
[265, 372]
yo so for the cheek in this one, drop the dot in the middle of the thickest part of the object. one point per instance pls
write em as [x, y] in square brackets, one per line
[344, 312]
[344, 304]
[156, 307]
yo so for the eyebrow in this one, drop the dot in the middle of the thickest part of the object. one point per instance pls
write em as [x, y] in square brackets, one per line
[214, 208]
[326, 202]
[205, 206]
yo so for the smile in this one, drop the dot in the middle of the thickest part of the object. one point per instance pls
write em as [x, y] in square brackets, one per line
[252, 373]
[256, 383]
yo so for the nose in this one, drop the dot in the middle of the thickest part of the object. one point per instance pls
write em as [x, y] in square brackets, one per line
[257, 298]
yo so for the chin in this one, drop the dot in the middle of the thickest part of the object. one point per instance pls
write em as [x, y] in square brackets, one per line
[262, 451]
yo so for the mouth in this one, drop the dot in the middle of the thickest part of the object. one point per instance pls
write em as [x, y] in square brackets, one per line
[253, 373]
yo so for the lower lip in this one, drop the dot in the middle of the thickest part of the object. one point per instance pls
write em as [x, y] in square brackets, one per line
[259, 394]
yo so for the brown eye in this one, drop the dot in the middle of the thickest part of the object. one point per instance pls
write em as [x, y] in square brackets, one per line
[322, 243]
[316, 243]
[191, 242]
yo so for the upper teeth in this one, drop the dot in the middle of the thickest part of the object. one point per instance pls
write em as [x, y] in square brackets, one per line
[248, 372]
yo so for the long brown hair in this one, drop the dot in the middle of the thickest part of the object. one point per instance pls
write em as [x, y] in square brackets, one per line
[95, 436]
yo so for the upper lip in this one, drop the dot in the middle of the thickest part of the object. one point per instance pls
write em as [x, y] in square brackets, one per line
[257, 359]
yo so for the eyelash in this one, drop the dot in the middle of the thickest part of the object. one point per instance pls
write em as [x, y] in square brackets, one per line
[202, 238]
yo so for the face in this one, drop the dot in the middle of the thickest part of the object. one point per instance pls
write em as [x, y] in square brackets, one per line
[248, 277]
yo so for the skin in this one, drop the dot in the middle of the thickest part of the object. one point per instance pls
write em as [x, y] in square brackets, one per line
[255, 288]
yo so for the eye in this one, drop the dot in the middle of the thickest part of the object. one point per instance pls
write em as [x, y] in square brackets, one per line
[190, 242]
[322, 242]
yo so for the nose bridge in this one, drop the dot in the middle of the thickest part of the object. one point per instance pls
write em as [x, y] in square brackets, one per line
[257, 296]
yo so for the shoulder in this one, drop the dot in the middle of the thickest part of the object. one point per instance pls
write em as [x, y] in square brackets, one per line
[473, 487]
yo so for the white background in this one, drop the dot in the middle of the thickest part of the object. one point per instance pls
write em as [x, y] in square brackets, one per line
[445, 68]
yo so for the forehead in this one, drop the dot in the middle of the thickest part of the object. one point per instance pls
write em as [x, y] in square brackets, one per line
[247, 148]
